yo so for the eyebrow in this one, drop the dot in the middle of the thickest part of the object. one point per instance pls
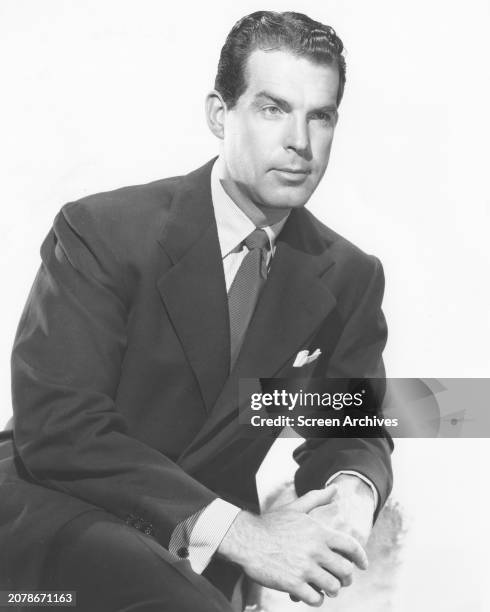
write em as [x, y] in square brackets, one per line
[330, 108]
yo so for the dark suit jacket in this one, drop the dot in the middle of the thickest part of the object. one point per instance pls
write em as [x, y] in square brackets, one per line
[123, 398]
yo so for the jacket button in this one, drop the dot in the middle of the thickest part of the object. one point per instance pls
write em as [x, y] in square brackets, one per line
[148, 531]
[183, 552]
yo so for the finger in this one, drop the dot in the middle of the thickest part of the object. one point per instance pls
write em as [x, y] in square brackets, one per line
[296, 599]
[313, 499]
[307, 593]
[348, 547]
[330, 585]
[338, 566]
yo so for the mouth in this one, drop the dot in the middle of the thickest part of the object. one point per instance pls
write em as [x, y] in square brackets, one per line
[300, 171]
[291, 176]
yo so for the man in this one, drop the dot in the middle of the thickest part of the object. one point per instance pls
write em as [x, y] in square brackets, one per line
[130, 482]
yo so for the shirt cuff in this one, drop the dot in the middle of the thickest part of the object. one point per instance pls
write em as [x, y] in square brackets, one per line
[198, 537]
[362, 477]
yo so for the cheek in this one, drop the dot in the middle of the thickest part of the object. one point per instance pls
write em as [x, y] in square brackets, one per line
[244, 143]
[321, 146]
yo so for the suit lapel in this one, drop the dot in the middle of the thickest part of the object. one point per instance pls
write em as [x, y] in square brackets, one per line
[294, 302]
[193, 290]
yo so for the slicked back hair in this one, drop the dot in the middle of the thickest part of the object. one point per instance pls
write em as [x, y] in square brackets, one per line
[272, 31]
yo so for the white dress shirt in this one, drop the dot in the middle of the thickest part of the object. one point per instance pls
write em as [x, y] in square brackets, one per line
[199, 536]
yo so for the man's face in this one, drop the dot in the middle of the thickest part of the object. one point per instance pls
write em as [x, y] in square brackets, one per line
[278, 136]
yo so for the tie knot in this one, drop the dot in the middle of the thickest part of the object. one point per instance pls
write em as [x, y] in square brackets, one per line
[258, 239]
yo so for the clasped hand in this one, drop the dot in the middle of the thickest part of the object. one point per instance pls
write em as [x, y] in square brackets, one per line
[290, 550]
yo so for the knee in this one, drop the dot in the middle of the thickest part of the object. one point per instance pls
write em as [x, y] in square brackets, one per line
[114, 568]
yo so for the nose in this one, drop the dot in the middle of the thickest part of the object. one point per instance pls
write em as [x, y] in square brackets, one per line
[297, 137]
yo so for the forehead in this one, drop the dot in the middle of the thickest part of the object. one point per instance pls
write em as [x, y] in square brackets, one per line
[290, 77]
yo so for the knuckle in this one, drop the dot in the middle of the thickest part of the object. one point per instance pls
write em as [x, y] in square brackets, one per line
[295, 588]
[327, 583]
[345, 571]
[308, 572]
[333, 588]
[346, 579]
[313, 549]
[340, 525]
[350, 543]
[313, 599]
[354, 548]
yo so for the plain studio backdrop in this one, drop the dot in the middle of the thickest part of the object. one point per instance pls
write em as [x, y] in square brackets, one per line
[101, 94]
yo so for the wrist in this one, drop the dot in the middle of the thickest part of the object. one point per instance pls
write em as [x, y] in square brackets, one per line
[234, 546]
[349, 484]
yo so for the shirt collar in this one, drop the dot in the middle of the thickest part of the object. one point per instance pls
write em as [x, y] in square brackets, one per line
[232, 223]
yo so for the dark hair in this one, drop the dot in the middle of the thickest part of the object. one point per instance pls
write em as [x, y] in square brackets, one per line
[269, 30]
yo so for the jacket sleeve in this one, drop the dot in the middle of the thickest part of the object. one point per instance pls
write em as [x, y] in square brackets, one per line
[358, 354]
[66, 365]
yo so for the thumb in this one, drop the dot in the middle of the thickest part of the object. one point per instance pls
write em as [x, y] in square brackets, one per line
[313, 499]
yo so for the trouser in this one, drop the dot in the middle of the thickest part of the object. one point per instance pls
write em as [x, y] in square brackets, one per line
[115, 568]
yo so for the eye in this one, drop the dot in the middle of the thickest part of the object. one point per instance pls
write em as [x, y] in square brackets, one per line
[324, 117]
[271, 110]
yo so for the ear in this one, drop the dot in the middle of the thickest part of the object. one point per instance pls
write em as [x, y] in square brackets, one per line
[215, 113]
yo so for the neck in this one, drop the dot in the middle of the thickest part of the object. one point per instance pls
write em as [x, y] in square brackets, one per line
[261, 216]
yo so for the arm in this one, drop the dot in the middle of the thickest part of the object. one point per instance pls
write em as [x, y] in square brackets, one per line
[66, 367]
[357, 355]
[351, 508]
[360, 468]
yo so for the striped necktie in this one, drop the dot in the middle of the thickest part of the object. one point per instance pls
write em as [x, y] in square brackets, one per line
[245, 289]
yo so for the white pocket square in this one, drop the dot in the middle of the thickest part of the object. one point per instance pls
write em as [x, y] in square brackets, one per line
[304, 358]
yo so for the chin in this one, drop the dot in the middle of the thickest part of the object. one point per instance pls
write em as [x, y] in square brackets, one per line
[285, 203]
[289, 199]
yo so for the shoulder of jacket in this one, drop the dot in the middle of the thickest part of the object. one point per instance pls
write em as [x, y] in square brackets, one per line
[123, 205]
[123, 218]
[121, 226]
